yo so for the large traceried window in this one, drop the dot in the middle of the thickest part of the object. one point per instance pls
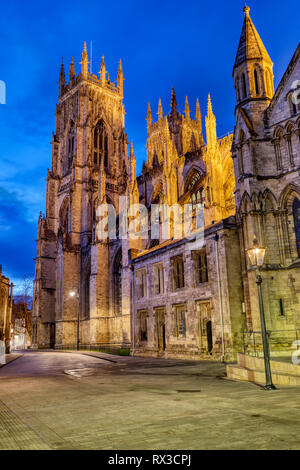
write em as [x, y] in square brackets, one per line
[296, 214]
[100, 145]
[117, 279]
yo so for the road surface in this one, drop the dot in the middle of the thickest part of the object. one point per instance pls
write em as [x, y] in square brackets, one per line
[57, 400]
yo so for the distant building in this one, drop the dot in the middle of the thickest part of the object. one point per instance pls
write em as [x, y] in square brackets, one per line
[21, 323]
[6, 290]
[162, 296]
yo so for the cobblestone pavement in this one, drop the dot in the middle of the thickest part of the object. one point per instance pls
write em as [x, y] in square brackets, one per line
[95, 401]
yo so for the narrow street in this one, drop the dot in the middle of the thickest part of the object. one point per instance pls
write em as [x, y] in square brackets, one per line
[58, 400]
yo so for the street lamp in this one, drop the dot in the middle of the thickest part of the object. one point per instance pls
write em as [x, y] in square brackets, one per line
[73, 294]
[256, 255]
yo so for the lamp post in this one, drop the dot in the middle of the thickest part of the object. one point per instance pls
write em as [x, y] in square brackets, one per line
[72, 294]
[256, 256]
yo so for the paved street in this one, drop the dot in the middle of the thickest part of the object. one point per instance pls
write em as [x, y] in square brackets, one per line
[63, 400]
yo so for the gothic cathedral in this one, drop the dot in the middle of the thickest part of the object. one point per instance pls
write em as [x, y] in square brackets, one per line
[162, 296]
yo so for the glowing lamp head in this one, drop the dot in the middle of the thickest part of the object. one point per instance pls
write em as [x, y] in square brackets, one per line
[256, 253]
[72, 293]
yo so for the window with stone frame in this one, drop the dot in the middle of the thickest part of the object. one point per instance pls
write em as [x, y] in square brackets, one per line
[141, 283]
[296, 215]
[143, 326]
[158, 279]
[100, 145]
[201, 272]
[180, 311]
[177, 272]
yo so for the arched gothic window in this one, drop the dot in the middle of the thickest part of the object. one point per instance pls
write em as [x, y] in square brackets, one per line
[244, 86]
[296, 214]
[290, 144]
[100, 144]
[278, 139]
[70, 146]
[256, 81]
[194, 180]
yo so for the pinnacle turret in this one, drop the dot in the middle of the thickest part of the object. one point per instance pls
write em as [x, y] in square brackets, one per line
[61, 81]
[72, 70]
[187, 109]
[102, 72]
[211, 126]
[160, 110]
[120, 78]
[84, 62]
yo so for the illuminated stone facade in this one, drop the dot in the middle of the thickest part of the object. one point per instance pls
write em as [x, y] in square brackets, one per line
[6, 289]
[163, 296]
[266, 154]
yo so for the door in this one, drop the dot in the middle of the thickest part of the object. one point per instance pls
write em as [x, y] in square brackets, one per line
[209, 336]
[205, 327]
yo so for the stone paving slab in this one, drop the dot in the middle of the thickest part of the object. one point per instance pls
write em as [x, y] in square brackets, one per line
[10, 358]
[15, 435]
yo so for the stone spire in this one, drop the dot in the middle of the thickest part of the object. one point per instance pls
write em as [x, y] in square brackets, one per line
[61, 81]
[211, 126]
[102, 72]
[160, 110]
[84, 62]
[187, 109]
[120, 79]
[250, 45]
[72, 70]
[149, 117]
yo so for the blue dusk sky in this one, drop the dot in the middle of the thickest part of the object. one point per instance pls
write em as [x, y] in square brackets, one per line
[190, 45]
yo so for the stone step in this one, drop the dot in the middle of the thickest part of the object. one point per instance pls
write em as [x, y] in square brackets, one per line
[255, 363]
[258, 376]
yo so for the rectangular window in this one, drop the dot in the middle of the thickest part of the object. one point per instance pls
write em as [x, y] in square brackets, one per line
[201, 267]
[142, 284]
[180, 321]
[143, 326]
[158, 280]
[178, 272]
